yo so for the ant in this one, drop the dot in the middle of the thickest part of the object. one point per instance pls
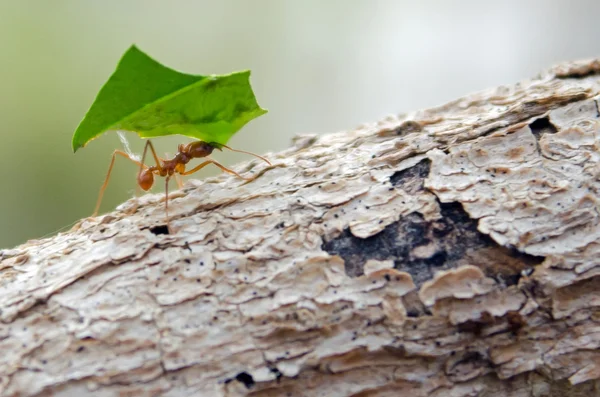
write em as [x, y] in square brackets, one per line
[172, 167]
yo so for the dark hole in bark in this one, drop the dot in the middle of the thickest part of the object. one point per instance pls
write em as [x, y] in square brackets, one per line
[448, 242]
[542, 126]
[411, 179]
[161, 229]
[245, 378]
[413, 313]
[277, 373]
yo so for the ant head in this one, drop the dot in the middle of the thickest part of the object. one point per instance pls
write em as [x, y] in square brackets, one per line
[198, 149]
[145, 179]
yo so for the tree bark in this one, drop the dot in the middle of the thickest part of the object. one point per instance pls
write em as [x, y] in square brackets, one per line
[452, 251]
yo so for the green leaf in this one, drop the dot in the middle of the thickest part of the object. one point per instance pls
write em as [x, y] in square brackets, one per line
[153, 100]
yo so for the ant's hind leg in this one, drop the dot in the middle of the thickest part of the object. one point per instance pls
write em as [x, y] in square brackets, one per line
[110, 167]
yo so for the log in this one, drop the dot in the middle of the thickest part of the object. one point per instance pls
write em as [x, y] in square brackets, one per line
[453, 251]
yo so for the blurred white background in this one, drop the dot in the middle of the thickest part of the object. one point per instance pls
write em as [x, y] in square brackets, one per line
[318, 66]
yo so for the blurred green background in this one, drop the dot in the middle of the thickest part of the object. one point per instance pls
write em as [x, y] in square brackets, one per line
[318, 66]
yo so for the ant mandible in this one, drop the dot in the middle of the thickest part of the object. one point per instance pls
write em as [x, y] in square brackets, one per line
[172, 167]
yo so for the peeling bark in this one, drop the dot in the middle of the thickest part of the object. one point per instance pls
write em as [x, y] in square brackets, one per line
[452, 251]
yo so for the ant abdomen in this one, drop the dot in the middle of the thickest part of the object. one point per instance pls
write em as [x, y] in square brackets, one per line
[145, 179]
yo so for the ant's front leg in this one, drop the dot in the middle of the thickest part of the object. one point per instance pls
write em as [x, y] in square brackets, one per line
[167, 204]
[179, 181]
[250, 153]
[211, 161]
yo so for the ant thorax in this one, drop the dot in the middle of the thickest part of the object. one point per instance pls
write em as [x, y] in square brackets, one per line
[168, 167]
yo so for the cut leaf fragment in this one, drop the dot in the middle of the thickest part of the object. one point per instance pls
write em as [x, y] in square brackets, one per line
[152, 100]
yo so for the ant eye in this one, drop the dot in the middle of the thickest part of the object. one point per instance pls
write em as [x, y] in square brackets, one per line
[145, 179]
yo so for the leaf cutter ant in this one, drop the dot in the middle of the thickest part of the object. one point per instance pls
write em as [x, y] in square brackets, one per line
[173, 167]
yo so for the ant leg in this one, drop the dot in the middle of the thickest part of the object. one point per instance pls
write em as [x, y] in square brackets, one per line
[211, 161]
[156, 158]
[110, 167]
[250, 153]
[179, 181]
[167, 202]
[177, 177]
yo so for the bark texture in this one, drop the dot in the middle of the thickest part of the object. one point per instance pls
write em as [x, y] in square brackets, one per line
[453, 251]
